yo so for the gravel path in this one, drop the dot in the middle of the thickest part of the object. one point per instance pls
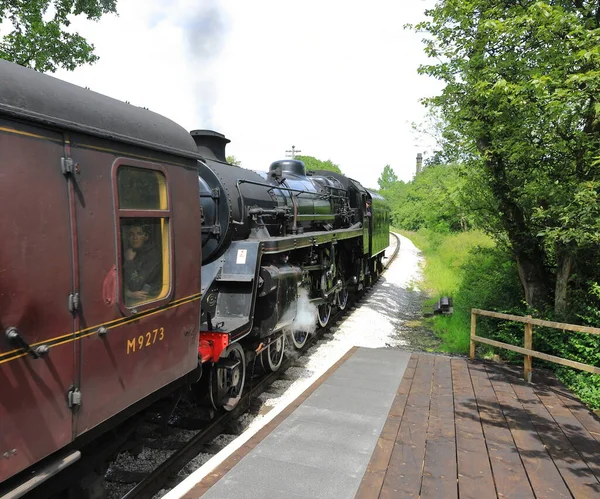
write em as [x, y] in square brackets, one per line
[389, 316]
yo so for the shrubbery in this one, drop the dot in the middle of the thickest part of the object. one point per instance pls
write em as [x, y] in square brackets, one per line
[477, 274]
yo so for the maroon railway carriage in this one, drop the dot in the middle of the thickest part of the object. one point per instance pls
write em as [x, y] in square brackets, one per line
[96, 201]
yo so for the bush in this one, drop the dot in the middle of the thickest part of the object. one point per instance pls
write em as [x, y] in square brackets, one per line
[489, 281]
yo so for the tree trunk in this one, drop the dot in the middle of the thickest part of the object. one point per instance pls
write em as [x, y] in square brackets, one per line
[534, 282]
[564, 261]
[525, 245]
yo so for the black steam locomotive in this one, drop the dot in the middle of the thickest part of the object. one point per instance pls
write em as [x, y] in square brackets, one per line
[275, 244]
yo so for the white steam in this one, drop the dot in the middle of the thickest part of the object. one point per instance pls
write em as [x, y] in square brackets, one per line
[306, 315]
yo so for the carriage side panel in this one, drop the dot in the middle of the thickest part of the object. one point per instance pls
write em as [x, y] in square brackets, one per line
[36, 279]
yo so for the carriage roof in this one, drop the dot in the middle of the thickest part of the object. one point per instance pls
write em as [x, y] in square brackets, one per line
[33, 96]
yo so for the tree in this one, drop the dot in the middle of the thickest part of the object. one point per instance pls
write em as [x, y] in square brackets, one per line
[432, 200]
[521, 101]
[312, 163]
[388, 178]
[232, 160]
[39, 38]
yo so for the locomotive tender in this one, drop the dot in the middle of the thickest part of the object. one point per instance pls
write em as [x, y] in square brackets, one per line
[134, 258]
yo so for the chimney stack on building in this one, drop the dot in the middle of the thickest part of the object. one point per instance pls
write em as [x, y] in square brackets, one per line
[419, 162]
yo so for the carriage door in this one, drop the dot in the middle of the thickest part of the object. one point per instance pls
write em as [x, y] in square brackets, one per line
[125, 268]
[36, 282]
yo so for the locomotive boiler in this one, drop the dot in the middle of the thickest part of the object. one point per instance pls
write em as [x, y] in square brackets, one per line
[137, 261]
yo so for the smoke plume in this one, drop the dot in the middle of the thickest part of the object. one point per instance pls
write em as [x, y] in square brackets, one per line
[206, 28]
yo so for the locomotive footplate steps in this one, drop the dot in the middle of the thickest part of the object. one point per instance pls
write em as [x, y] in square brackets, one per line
[384, 423]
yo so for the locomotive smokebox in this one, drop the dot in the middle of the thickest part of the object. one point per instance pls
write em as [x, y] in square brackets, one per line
[210, 144]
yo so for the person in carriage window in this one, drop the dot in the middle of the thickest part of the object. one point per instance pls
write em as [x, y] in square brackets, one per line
[142, 265]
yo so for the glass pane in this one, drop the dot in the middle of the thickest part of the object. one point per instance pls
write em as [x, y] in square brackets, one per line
[145, 243]
[141, 189]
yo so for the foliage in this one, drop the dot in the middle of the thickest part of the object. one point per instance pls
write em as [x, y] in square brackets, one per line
[444, 146]
[433, 200]
[520, 100]
[585, 385]
[39, 37]
[478, 274]
[445, 255]
[520, 119]
[388, 178]
[489, 281]
[468, 267]
[312, 163]
[232, 160]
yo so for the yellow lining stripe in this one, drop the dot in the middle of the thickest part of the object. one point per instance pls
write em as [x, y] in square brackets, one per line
[93, 330]
[28, 134]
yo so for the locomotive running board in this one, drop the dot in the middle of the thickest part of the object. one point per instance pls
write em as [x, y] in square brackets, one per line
[281, 244]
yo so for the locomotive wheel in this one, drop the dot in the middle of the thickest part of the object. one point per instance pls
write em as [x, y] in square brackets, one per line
[299, 339]
[272, 356]
[342, 294]
[227, 380]
[324, 314]
[342, 298]
[378, 270]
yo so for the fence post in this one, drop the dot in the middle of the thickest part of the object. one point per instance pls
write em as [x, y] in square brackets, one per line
[528, 343]
[473, 334]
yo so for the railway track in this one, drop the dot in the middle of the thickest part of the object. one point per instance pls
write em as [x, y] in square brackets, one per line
[151, 483]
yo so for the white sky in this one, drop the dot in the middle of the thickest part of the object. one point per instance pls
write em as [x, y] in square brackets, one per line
[336, 78]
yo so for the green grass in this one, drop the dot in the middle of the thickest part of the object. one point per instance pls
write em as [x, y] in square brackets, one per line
[454, 331]
[445, 255]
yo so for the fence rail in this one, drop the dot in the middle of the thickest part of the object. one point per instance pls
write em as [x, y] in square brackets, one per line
[527, 349]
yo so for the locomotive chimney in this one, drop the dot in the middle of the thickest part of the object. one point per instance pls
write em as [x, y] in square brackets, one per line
[210, 144]
[419, 162]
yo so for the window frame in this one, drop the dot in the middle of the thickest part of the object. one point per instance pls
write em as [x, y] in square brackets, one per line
[124, 213]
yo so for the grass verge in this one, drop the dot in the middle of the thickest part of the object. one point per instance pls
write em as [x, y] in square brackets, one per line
[445, 256]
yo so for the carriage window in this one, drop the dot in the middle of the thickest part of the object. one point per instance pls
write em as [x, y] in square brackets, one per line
[145, 254]
[141, 189]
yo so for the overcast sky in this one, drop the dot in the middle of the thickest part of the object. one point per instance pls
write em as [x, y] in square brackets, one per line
[335, 78]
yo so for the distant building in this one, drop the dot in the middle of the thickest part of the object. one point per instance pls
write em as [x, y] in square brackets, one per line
[419, 162]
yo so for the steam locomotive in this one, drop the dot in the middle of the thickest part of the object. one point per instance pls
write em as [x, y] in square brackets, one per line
[136, 260]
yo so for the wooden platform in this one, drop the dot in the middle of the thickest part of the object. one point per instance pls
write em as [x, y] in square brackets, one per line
[472, 430]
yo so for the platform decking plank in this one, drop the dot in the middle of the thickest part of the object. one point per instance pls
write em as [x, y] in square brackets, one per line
[510, 477]
[439, 467]
[575, 471]
[475, 479]
[372, 481]
[542, 472]
[589, 421]
[582, 441]
[405, 472]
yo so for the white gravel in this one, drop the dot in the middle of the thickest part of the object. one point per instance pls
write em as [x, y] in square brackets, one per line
[374, 324]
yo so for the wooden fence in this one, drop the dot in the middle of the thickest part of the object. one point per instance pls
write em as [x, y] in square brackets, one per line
[527, 350]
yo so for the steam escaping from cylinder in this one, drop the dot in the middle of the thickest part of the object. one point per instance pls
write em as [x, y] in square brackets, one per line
[306, 315]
